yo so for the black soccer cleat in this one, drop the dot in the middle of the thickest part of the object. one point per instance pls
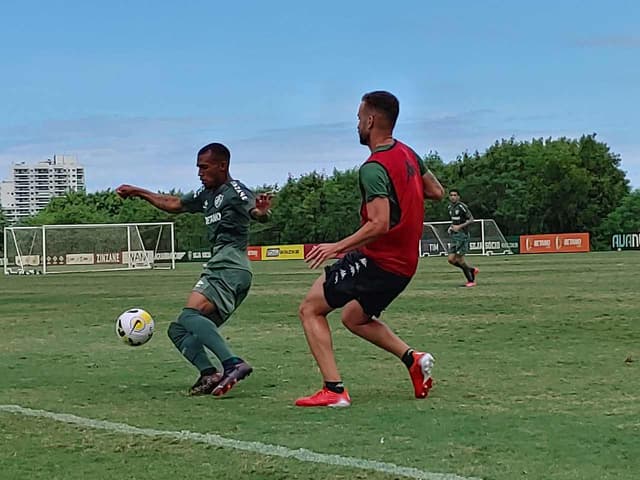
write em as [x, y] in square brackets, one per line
[238, 372]
[205, 384]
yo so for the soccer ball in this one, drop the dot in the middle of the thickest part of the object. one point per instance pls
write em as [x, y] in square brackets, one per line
[135, 327]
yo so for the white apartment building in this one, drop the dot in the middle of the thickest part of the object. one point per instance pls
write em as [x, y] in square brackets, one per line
[32, 186]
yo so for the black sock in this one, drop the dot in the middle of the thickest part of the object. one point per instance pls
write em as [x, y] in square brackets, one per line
[407, 358]
[468, 273]
[471, 274]
[335, 387]
[208, 371]
[230, 363]
[464, 270]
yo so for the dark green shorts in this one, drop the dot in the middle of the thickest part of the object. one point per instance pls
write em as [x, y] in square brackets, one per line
[226, 288]
[459, 243]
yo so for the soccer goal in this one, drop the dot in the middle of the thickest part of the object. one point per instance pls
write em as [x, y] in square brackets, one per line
[81, 248]
[486, 239]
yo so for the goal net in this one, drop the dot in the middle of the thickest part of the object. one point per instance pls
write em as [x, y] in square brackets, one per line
[81, 248]
[485, 239]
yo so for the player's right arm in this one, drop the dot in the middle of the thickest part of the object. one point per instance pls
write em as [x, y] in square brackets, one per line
[168, 203]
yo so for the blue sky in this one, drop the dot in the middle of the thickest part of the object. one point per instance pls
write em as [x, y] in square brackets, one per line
[134, 88]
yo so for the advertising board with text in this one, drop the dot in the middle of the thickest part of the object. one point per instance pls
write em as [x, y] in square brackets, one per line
[555, 243]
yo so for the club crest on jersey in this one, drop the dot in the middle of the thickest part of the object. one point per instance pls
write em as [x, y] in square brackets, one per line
[218, 201]
[205, 205]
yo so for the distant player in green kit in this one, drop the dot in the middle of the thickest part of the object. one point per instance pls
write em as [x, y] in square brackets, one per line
[461, 218]
[228, 206]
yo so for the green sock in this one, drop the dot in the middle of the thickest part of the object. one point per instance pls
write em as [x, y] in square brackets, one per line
[206, 332]
[190, 347]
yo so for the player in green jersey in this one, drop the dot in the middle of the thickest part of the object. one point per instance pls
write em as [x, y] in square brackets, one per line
[461, 218]
[228, 207]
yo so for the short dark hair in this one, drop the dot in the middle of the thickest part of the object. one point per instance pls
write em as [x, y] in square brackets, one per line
[218, 150]
[385, 103]
[454, 190]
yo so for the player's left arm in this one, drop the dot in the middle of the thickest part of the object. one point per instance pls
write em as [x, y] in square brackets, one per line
[433, 190]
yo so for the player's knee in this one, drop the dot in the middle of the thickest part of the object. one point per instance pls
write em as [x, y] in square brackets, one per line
[305, 310]
[452, 260]
[308, 311]
[175, 332]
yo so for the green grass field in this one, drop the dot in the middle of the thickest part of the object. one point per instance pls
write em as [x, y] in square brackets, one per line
[537, 377]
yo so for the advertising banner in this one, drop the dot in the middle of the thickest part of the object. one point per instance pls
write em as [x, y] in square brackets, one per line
[28, 260]
[513, 242]
[555, 243]
[77, 259]
[283, 252]
[197, 256]
[166, 256]
[254, 253]
[137, 257]
[625, 241]
[108, 257]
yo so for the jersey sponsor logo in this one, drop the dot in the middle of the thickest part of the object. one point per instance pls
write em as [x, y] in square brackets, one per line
[239, 190]
[213, 218]
[218, 201]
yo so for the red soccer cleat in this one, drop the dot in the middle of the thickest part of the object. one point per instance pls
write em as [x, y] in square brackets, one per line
[420, 373]
[325, 398]
[470, 284]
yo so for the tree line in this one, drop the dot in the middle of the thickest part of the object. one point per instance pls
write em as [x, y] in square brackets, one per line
[527, 187]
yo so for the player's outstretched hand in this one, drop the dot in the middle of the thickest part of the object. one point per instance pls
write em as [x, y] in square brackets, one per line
[263, 203]
[126, 191]
[320, 253]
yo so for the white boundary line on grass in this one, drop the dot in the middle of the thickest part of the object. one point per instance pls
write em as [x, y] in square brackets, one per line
[301, 454]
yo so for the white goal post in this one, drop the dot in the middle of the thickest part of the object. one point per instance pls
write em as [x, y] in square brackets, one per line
[88, 248]
[486, 239]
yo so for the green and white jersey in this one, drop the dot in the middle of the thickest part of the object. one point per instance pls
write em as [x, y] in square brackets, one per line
[227, 215]
[459, 213]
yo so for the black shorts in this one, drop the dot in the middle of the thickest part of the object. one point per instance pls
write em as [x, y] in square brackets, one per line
[356, 277]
